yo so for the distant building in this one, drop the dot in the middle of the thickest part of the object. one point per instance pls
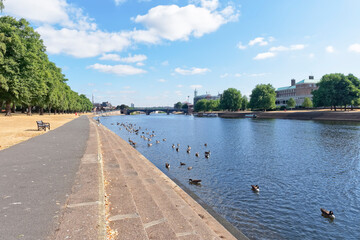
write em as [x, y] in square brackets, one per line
[132, 105]
[298, 91]
[205, 96]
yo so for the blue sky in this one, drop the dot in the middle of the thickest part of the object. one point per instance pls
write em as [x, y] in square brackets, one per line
[154, 52]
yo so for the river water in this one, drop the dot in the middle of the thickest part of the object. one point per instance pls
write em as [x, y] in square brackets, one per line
[300, 167]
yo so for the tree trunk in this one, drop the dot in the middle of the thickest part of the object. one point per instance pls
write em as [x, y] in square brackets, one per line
[49, 109]
[8, 108]
[29, 111]
[345, 108]
[54, 111]
[334, 108]
[41, 111]
[352, 107]
[13, 108]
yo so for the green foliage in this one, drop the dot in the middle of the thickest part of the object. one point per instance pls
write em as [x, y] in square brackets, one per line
[122, 107]
[185, 106]
[291, 103]
[244, 103]
[336, 89]
[212, 105]
[2, 5]
[178, 105]
[307, 103]
[200, 105]
[263, 97]
[27, 77]
[231, 99]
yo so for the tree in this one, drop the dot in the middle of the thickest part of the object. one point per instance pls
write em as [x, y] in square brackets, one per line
[212, 105]
[178, 105]
[244, 103]
[2, 5]
[307, 103]
[185, 106]
[336, 89]
[291, 103]
[231, 99]
[263, 97]
[200, 105]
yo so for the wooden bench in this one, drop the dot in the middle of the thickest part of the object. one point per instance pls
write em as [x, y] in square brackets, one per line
[42, 125]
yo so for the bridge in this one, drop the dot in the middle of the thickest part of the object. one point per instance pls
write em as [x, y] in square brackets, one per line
[149, 110]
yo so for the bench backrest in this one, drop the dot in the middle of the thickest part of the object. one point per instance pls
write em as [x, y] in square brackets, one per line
[39, 122]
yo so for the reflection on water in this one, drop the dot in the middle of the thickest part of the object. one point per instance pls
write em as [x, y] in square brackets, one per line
[300, 166]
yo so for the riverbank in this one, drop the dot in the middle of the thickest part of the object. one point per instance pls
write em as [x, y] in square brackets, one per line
[144, 203]
[322, 115]
[19, 127]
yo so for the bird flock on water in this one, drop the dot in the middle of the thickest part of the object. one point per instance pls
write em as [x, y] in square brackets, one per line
[148, 135]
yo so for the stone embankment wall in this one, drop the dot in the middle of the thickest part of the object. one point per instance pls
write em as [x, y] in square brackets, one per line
[311, 115]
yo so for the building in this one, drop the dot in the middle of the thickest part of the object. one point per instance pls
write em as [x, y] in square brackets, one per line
[205, 96]
[298, 91]
[132, 105]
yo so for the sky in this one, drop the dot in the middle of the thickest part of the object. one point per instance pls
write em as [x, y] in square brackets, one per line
[155, 52]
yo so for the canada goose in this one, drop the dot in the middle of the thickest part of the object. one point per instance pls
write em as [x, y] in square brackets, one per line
[194, 181]
[164, 139]
[205, 144]
[149, 139]
[157, 141]
[189, 168]
[167, 165]
[327, 213]
[177, 149]
[188, 150]
[149, 144]
[178, 144]
[182, 164]
[173, 146]
[255, 188]
[207, 153]
[189, 147]
[197, 154]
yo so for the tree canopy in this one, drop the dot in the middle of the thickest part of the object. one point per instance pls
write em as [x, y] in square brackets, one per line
[336, 89]
[307, 103]
[263, 97]
[27, 77]
[178, 105]
[291, 103]
[231, 99]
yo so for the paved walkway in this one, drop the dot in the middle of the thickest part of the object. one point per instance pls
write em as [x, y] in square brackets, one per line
[36, 178]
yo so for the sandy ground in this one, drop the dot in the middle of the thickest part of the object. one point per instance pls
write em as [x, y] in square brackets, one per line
[20, 127]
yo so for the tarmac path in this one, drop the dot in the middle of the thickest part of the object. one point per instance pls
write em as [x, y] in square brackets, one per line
[36, 178]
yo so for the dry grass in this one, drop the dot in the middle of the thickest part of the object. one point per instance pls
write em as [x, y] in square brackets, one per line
[20, 127]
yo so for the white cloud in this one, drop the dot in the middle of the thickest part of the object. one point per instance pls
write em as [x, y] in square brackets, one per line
[264, 55]
[238, 74]
[140, 64]
[121, 70]
[355, 48]
[179, 86]
[240, 46]
[80, 43]
[224, 75]
[172, 22]
[290, 48]
[195, 86]
[165, 63]
[161, 80]
[192, 71]
[91, 84]
[210, 4]
[126, 87]
[129, 59]
[259, 40]
[178, 93]
[330, 49]
[258, 74]
[118, 2]
[51, 12]
[311, 55]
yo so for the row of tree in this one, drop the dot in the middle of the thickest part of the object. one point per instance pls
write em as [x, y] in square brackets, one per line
[334, 90]
[27, 77]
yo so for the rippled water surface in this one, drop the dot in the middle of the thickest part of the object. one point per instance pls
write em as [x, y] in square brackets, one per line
[300, 166]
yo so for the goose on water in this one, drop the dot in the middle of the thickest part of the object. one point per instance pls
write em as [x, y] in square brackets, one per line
[255, 188]
[326, 213]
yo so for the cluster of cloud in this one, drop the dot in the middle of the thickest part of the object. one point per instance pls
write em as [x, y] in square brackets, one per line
[237, 75]
[191, 71]
[354, 48]
[261, 41]
[273, 51]
[66, 29]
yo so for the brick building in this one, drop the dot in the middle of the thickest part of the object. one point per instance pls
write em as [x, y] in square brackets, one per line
[298, 91]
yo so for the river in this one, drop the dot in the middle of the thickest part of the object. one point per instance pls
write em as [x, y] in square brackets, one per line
[300, 166]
